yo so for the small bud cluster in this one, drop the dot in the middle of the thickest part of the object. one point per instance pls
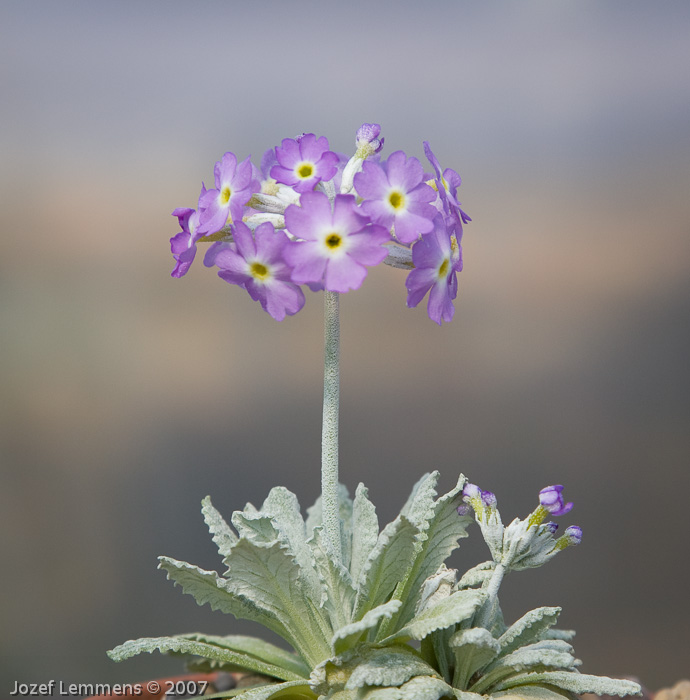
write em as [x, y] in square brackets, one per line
[523, 544]
[311, 216]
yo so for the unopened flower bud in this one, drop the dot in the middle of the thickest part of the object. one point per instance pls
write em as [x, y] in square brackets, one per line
[551, 527]
[574, 534]
[571, 537]
[367, 140]
[552, 500]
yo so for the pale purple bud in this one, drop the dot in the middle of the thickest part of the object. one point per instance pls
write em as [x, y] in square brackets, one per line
[471, 491]
[573, 534]
[369, 134]
[552, 499]
[551, 527]
[489, 499]
[463, 510]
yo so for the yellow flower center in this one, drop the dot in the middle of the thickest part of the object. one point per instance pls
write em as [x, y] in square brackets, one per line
[305, 170]
[225, 194]
[259, 271]
[443, 270]
[334, 240]
[396, 200]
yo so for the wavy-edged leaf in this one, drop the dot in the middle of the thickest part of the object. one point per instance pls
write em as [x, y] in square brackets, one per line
[418, 506]
[574, 682]
[437, 539]
[222, 534]
[314, 518]
[478, 575]
[182, 645]
[387, 666]
[348, 635]
[209, 587]
[293, 689]
[283, 508]
[367, 665]
[553, 653]
[437, 587]
[387, 563]
[417, 688]
[466, 695]
[474, 648]
[270, 576]
[529, 628]
[365, 530]
[530, 692]
[449, 611]
[258, 648]
[255, 526]
[335, 585]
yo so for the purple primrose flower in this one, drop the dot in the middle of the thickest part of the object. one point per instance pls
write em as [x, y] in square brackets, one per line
[304, 162]
[447, 183]
[394, 194]
[257, 264]
[332, 217]
[551, 499]
[336, 243]
[183, 244]
[235, 185]
[437, 261]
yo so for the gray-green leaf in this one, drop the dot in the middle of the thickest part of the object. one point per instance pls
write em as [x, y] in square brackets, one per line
[258, 648]
[386, 564]
[336, 590]
[270, 576]
[387, 666]
[474, 648]
[573, 682]
[293, 689]
[221, 533]
[417, 688]
[365, 530]
[209, 587]
[449, 611]
[439, 536]
[348, 635]
[183, 645]
[529, 628]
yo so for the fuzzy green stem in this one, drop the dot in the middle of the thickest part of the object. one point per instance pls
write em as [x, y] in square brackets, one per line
[329, 434]
[487, 610]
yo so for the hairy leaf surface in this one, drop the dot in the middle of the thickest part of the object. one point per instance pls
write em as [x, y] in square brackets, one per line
[457, 607]
[221, 533]
[205, 650]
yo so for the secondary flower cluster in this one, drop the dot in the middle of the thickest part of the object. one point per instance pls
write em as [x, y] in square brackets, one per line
[311, 216]
[527, 543]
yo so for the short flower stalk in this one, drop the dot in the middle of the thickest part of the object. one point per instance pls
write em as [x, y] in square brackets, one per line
[368, 613]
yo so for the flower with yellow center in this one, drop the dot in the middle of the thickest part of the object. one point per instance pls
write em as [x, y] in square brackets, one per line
[335, 243]
[395, 196]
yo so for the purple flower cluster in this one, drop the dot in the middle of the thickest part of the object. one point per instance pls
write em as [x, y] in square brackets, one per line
[311, 216]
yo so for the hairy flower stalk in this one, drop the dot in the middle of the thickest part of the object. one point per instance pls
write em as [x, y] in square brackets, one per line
[329, 432]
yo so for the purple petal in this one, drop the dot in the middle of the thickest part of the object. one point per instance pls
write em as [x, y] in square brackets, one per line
[244, 241]
[344, 273]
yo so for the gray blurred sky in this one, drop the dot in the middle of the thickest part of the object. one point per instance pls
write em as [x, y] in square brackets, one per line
[128, 396]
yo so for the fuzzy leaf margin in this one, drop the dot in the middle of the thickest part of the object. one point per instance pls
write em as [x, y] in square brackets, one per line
[180, 645]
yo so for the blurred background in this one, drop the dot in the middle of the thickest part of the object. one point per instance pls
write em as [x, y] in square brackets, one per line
[128, 396]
